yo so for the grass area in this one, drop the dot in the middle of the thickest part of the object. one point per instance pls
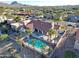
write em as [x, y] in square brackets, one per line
[69, 54]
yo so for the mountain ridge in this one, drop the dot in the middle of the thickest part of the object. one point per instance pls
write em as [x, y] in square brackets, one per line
[16, 4]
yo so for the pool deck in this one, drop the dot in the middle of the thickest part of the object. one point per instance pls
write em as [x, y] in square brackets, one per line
[48, 43]
[34, 48]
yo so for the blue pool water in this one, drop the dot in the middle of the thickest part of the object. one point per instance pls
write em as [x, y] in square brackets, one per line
[37, 43]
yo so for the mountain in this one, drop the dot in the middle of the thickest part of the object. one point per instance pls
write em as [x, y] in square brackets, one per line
[16, 3]
[13, 4]
[3, 4]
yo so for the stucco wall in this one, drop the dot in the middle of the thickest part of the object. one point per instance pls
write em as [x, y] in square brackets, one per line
[76, 46]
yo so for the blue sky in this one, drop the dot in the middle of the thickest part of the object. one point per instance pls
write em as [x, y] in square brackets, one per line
[45, 2]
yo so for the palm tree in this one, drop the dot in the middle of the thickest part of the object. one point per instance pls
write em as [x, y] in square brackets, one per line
[29, 32]
[51, 32]
[18, 41]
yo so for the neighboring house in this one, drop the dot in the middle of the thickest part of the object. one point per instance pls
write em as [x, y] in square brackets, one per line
[73, 18]
[2, 19]
[18, 25]
[24, 13]
[21, 29]
[25, 22]
[71, 23]
[60, 23]
[48, 16]
[57, 26]
[15, 26]
[9, 21]
[40, 26]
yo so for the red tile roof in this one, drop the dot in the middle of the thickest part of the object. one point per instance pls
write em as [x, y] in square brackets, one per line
[40, 25]
[56, 27]
[30, 26]
[24, 13]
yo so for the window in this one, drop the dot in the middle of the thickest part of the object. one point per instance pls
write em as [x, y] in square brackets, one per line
[36, 30]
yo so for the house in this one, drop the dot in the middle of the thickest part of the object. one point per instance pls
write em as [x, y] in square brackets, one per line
[40, 26]
[58, 25]
[23, 13]
[2, 19]
[16, 25]
[21, 29]
[9, 21]
[48, 16]
[25, 22]
[70, 24]
[73, 18]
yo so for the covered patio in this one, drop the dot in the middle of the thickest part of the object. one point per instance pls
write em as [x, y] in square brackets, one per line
[37, 33]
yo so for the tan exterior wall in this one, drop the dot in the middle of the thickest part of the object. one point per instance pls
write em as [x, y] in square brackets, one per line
[76, 46]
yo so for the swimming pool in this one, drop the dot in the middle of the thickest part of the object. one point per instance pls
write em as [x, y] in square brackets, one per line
[37, 43]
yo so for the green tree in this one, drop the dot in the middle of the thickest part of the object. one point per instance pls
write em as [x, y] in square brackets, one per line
[18, 41]
[17, 55]
[58, 20]
[39, 13]
[51, 32]
[3, 36]
[5, 29]
[1, 10]
[17, 18]
[29, 31]
[62, 27]
[69, 54]
[7, 15]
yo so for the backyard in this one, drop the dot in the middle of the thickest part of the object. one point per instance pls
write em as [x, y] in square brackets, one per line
[38, 45]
